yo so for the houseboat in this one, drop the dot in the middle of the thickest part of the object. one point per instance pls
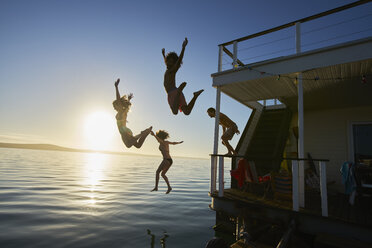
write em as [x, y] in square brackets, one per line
[305, 154]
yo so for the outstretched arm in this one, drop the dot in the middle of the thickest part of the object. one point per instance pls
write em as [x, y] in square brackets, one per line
[117, 89]
[163, 52]
[175, 143]
[179, 61]
[157, 138]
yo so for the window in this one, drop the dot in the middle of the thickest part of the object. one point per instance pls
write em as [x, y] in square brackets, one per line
[362, 141]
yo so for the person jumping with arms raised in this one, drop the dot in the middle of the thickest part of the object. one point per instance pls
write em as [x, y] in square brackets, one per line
[176, 99]
[122, 106]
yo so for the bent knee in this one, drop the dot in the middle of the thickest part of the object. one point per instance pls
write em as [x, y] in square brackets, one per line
[175, 111]
[185, 110]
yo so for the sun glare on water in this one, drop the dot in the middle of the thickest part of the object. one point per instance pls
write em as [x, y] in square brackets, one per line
[99, 129]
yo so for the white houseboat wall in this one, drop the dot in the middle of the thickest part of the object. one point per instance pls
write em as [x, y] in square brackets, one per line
[324, 96]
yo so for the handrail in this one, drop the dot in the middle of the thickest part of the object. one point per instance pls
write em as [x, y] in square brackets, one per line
[266, 158]
[302, 20]
[298, 180]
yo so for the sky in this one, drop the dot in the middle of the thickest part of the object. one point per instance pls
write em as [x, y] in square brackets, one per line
[59, 61]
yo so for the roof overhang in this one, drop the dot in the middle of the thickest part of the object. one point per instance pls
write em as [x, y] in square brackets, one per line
[332, 77]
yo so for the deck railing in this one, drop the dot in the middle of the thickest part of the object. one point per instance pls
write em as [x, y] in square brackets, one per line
[296, 180]
[358, 27]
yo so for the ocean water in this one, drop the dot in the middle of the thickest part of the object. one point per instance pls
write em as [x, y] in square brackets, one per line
[63, 199]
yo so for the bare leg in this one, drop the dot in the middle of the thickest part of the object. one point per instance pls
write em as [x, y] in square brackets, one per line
[176, 102]
[165, 169]
[229, 147]
[156, 180]
[187, 109]
[142, 137]
[160, 168]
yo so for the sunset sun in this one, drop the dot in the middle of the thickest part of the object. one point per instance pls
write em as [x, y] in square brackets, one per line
[99, 129]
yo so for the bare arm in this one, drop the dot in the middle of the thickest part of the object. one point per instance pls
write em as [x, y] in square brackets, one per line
[163, 52]
[157, 138]
[117, 89]
[175, 143]
[180, 58]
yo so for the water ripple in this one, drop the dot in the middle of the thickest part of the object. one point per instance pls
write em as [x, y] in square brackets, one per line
[60, 199]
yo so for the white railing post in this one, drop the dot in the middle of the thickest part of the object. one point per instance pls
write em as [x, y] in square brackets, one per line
[216, 128]
[323, 188]
[221, 183]
[213, 174]
[298, 37]
[235, 55]
[215, 147]
[301, 151]
[220, 53]
[295, 192]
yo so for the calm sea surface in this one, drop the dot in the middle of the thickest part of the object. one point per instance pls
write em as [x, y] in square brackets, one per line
[62, 199]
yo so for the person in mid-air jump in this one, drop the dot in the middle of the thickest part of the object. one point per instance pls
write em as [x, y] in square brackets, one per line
[161, 137]
[176, 99]
[122, 106]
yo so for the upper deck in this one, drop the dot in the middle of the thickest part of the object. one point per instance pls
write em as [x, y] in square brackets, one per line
[338, 66]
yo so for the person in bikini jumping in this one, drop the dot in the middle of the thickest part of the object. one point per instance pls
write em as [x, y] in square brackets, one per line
[122, 106]
[164, 166]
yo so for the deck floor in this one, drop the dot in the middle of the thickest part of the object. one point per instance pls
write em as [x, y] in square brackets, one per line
[338, 205]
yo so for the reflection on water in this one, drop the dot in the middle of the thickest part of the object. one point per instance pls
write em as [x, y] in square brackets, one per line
[162, 239]
[152, 242]
[101, 200]
[93, 173]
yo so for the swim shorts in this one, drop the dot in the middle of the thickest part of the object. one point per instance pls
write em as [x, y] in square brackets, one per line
[172, 97]
[229, 132]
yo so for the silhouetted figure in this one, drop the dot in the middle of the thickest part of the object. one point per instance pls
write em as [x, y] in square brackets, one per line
[176, 99]
[122, 106]
[163, 239]
[164, 166]
[152, 238]
[229, 129]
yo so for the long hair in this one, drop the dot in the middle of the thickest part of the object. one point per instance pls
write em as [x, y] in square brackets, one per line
[123, 103]
[162, 134]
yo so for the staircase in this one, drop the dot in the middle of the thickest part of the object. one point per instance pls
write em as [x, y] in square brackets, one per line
[268, 141]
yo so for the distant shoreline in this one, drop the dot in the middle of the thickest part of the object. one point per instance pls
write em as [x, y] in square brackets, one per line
[50, 147]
